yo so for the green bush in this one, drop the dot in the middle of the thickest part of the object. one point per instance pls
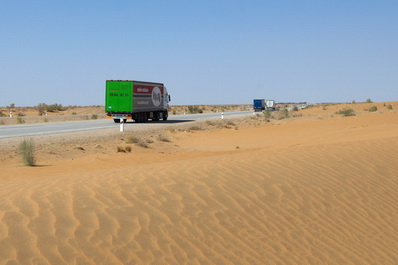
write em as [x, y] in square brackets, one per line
[373, 109]
[194, 110]
[26, 149]
[346, 112]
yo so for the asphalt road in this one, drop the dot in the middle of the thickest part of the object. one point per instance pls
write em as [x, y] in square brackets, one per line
[7, 131]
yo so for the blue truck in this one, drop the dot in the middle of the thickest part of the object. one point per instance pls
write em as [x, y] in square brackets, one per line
[259, 104]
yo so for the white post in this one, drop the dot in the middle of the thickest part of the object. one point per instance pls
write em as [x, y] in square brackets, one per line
[121, 125]
[222, 115]
[10, 114]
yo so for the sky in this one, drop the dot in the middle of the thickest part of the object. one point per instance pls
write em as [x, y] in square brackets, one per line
[205, 52]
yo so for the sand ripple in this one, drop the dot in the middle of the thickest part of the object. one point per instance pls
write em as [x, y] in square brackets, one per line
[321, 204]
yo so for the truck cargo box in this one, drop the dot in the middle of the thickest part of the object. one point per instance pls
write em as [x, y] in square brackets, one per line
[259, 104]
[125, 98]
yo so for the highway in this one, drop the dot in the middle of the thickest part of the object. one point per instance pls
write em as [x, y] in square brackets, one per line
[7, 131]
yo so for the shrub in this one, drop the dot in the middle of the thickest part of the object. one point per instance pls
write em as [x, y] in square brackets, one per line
[389, 107]
[231, 123]
[267, 113]
[132, 140]
[163, 138]
[26, 149]
[194, 109]
[94, 116]
[137, 141]
[346, 112]
[211, 123]
[284, 114]
[373, 109]
[20, 120]
[369, 100]
[195, 128]
[120, 149]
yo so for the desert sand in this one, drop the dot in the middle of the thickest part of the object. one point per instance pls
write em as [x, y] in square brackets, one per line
[318, 188]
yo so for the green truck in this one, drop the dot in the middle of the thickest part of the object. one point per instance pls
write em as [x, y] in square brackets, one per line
[137, 100]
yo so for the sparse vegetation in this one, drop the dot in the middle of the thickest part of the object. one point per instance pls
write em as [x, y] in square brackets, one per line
[94, 116]
[195, 128]
[42, 107]
[126, 149]
[372, 109]
[267, 113]
[26, 150]
[389, 106]
[171, 129]
[346, 112]
[137, 141]
[369, 100]
[210, 122]
[163, 138]
[20, 120]
[194, 110]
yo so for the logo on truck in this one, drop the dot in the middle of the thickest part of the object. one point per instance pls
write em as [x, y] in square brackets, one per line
[156, 96]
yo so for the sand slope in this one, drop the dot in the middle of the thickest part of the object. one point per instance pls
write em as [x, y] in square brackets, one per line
[302, 192]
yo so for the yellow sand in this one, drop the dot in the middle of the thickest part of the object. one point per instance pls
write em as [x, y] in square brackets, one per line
[306, 191]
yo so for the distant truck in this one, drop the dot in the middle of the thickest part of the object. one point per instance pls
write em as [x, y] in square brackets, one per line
[137, 100]
[270, 104]
[259, 104]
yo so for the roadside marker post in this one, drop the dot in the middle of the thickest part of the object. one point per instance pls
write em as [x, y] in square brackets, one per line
[121, 125]
[10, 114]
[222, 115]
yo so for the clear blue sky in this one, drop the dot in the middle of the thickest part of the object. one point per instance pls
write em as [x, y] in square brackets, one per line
[205, 52]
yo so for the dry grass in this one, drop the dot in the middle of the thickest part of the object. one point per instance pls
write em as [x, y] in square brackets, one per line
[26, 149]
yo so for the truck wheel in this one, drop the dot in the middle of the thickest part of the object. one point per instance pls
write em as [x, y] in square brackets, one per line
[155, 116]
[165, 115]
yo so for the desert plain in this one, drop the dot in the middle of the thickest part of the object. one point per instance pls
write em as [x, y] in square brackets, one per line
[311, 188]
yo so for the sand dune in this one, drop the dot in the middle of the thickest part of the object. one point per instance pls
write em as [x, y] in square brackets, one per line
[301, 192]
